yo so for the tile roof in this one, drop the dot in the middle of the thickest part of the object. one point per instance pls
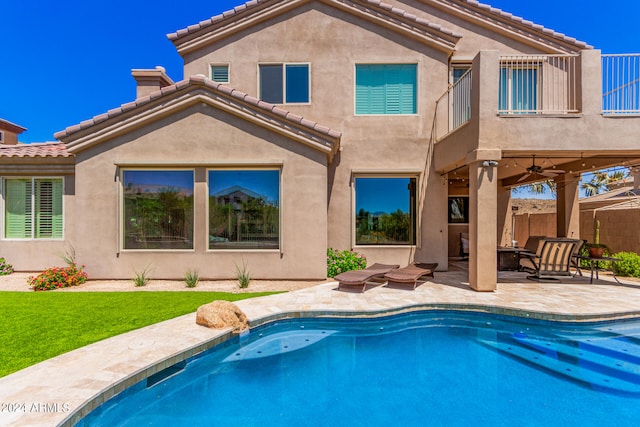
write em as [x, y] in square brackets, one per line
[519, 20]
[200, 80]
[254, 4]
[45, 149]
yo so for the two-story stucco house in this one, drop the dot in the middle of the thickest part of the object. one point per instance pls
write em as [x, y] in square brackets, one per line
[389, 128]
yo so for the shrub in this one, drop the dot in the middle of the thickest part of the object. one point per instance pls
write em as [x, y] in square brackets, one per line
[191, 278]
[243, 276]
[339, 262]
[58, 277]
[629, 264]
[142, 278]
[5, 267]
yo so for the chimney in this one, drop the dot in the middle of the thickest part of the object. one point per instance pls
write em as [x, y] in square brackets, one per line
[9, 132]
[149, 81]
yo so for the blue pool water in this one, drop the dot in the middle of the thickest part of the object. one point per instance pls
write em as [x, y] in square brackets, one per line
[431, 368]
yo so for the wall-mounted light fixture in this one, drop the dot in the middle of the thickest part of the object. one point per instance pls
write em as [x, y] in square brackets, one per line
[489, 163]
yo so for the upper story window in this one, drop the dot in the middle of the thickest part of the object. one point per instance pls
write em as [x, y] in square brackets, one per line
[284, 83]
[386, 88]
[158, 209]
[33, 208]
[220, 73]
[1, 137]
[458, 70]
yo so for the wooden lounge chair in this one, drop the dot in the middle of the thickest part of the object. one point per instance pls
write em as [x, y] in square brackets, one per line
[553, 258]
[408, 276]
[357, 279]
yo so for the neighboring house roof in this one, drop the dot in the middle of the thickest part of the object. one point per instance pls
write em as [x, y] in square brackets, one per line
[257, 11]
[238, 189]
[509, 23]
[12, 127]
[194, 90]
[39, 150]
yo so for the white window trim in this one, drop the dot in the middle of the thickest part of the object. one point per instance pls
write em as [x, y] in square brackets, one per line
[388, 174]
[32, 238]
[220, 64]
[280, 210]
[417, 113]
[121, 218]
[284, 80]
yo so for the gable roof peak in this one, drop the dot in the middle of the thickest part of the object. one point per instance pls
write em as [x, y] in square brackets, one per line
[258, 11]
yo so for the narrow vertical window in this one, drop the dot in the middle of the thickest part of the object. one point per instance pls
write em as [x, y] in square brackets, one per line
[518, 89]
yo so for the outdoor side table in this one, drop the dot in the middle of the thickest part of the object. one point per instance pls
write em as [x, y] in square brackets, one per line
[594, 264]
[509, 258]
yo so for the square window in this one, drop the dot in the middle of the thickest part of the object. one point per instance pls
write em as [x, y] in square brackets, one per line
[386, 88]
[244, 209]
[284, 83]
[158, 209]
[33, 208]
[458, 210]
[220, 73]
[385, 211]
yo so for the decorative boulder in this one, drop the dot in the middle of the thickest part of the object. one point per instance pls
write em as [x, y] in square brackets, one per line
[222, 314]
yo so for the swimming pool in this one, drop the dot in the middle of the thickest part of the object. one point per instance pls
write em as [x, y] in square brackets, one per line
[430, 368]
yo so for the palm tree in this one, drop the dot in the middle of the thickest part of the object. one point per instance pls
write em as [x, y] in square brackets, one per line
[601, 180]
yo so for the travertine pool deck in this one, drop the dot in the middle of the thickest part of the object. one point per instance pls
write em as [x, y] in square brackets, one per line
[51, 393]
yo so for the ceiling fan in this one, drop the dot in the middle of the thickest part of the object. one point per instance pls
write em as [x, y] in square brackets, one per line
[538, 170]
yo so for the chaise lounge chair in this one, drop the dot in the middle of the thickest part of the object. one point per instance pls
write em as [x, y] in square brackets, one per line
[409, 275]
[356, 279]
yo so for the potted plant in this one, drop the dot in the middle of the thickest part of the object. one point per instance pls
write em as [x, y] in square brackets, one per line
[596, 250]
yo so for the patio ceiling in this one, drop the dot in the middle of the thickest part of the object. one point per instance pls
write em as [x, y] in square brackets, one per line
[512, 168]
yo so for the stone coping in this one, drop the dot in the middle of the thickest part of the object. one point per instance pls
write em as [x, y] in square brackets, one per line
[62, 390]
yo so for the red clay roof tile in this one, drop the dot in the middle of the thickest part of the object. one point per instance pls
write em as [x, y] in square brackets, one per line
[45, 149]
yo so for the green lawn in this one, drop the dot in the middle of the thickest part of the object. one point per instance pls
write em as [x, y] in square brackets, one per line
[40, 325]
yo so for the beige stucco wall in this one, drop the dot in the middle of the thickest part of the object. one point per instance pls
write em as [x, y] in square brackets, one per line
[199, 138]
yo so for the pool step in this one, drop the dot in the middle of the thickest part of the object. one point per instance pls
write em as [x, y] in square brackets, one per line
[604, 362]
[278, 343]
[549, 360]
[619, 347]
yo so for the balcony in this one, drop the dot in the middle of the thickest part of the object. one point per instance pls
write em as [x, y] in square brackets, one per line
[538, 84]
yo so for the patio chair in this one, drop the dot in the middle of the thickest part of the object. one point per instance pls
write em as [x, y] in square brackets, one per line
[552, 259]
[464, 245]
[575, 261]
[409, 275]
[357, 279]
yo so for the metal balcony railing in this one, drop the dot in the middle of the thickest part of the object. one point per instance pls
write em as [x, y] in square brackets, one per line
[454, 106]
[621, 84]
[538, 84]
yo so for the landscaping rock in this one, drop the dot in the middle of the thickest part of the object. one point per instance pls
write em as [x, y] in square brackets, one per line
[222, 314]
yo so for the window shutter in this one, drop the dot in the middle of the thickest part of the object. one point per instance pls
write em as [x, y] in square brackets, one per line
[386, 89]
[220, 73]
[56, 211]
[18, 208]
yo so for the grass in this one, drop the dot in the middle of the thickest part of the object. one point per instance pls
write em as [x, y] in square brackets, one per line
[40, 325]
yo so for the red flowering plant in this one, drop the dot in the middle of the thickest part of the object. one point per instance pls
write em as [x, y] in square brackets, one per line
[58, 277]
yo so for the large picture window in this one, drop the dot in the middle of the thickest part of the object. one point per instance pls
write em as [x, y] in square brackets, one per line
[158, 209]
[244, 209]
[284, 83]
[385, 211]
[33, 208]
[386, 88]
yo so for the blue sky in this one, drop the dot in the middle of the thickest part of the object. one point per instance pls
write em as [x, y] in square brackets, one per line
[67, 61]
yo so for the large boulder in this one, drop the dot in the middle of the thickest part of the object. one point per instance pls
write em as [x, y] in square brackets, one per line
[222, 314]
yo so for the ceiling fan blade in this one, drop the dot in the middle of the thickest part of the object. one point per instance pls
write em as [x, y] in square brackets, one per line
[523, 177]
[550, 174]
